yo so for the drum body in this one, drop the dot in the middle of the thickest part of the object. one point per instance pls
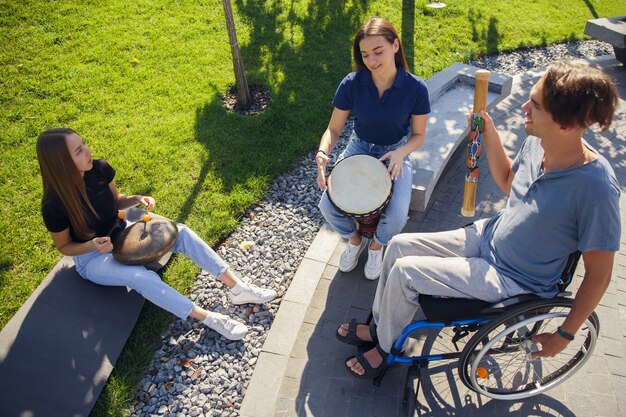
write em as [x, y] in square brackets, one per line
[360, 187]
[144, 242]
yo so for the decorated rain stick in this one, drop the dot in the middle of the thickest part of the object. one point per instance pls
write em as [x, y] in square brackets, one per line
[475, 142]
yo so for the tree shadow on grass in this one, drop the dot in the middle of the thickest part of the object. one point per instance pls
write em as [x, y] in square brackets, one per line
[489, 36]
[302, 55]
[592, 9]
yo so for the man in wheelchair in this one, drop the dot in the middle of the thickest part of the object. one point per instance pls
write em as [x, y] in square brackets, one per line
[563, 197]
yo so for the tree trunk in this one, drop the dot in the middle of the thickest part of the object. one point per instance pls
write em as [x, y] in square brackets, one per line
[243, 92]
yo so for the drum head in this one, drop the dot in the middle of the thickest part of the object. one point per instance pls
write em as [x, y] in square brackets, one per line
[359, 184]
[144, 242]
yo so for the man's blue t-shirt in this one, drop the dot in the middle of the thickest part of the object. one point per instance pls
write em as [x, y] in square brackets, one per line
[382, 120]
[550, 215]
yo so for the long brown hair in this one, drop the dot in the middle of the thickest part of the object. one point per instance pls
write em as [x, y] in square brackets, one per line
[377, 26]
[62, 179]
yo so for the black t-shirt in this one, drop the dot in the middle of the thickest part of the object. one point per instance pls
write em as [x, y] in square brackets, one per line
[97, 182]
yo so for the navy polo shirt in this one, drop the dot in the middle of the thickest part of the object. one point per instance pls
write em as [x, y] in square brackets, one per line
[387, 119]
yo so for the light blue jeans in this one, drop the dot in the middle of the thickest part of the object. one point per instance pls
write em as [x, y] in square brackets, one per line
[394, 217]
[103, 269]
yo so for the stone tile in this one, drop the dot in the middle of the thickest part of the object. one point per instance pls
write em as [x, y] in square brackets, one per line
[586, 383]
[283, 333]
[361, 406]
[300, 346]
[305, 281]
[362, 301]
[313, 315]
[322, 345]
[321, 296]
[296, 368]
[336, 313]
[615, 348]
[330, 272]
[386, 406]
[289, 389]
[312, 406]
[581, 405]
[605, 405]
[314, 386]
[324, 244]
[334, 259]
[262, 391]
[287, 408]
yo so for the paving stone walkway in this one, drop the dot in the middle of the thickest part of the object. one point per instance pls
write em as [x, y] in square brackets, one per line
[300, 371]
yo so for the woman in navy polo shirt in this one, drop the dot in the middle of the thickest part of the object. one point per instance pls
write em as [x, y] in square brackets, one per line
[390, 107]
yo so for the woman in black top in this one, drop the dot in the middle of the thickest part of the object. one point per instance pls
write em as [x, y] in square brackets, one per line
[80, 207]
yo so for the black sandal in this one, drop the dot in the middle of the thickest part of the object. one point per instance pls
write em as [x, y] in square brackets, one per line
[370, 373]
[352, 339]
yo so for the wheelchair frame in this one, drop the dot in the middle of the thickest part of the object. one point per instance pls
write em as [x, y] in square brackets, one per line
[496, 361]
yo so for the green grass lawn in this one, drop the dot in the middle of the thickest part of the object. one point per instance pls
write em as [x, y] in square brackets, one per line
[141, 82]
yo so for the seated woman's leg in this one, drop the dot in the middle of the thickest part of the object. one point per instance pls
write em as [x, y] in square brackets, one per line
[394, 217]
[339, 222]
[103, 269]
[190, 244]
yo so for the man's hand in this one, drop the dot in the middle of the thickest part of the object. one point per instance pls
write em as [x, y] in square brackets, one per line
[551, 344]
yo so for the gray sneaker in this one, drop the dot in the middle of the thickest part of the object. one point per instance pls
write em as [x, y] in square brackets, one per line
[350, 256]
[252, 294]
[224, 325]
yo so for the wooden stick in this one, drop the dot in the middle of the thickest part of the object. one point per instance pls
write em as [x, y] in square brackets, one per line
[475, 141]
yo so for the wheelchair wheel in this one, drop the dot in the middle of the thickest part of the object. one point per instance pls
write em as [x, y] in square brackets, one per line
[496, 361]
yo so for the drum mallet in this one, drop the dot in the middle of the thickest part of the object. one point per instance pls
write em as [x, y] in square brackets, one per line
[475, 142]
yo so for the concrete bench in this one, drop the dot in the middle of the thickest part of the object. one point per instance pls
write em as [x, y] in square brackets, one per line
[451, 96]
[58, 350]
[611, 30]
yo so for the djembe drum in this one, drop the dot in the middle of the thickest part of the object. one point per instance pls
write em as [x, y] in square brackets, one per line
[145, 241]
[360, 187]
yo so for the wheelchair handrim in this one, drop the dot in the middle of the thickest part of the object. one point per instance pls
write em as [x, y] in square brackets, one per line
[535, 388]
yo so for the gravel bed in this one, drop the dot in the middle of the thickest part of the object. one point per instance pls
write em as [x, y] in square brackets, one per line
[196, 372]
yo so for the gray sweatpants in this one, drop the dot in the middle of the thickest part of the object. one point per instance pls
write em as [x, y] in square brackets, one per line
[443, 264]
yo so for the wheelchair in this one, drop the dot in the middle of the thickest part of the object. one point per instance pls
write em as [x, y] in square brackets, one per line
[496, 360]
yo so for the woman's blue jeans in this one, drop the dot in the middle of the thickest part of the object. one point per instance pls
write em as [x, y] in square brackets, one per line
[394, 217]
[103, 269]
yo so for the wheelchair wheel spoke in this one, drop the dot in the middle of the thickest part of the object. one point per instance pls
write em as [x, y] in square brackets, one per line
[498, 362]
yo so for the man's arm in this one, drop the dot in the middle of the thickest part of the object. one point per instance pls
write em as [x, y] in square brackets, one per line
[499, 162]
[598, 270]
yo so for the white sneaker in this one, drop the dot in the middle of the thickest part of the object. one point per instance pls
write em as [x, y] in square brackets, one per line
[224, 325]
[248, 293]
[350, 256]
[374, 263]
